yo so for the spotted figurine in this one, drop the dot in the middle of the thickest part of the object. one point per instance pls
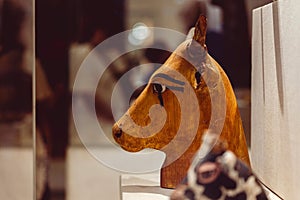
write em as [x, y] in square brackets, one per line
[220, 175]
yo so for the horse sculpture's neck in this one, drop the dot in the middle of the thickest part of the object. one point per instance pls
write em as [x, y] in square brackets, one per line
[231, 129]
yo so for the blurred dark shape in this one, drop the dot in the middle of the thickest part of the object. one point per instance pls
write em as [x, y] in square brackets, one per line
[237, 57]
[15, 82]
[157, 55]
[11, 22]
[58, 24]
[52, 51]
[87, 16]
[15, 88]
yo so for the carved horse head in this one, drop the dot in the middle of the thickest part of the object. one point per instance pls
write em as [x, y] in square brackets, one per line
[188, 94]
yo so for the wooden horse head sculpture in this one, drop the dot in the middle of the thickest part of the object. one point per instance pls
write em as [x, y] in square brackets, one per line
[188, 94]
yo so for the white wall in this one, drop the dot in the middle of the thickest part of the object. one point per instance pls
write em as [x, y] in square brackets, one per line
[275, 96]
[252, 4]
[16, 177]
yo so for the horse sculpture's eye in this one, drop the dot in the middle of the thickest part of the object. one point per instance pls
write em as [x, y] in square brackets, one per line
[207, 172]
[198, 77]
[158, 88]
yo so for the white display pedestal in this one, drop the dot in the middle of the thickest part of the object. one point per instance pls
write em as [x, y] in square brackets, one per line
[275, 138]
[87, 178]
[16, 177]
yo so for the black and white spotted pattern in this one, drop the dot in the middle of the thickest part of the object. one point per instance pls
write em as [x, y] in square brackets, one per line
[220, 176]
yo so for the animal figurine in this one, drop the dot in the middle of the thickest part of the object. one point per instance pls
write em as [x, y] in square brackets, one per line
[188, 94]
[218, 175]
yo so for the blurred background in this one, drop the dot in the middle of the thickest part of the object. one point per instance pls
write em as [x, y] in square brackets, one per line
[65, 32]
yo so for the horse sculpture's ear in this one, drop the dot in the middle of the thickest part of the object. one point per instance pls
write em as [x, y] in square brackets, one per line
[200, 30]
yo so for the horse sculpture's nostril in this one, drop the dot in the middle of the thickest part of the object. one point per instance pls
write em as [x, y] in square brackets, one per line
[118, 133]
